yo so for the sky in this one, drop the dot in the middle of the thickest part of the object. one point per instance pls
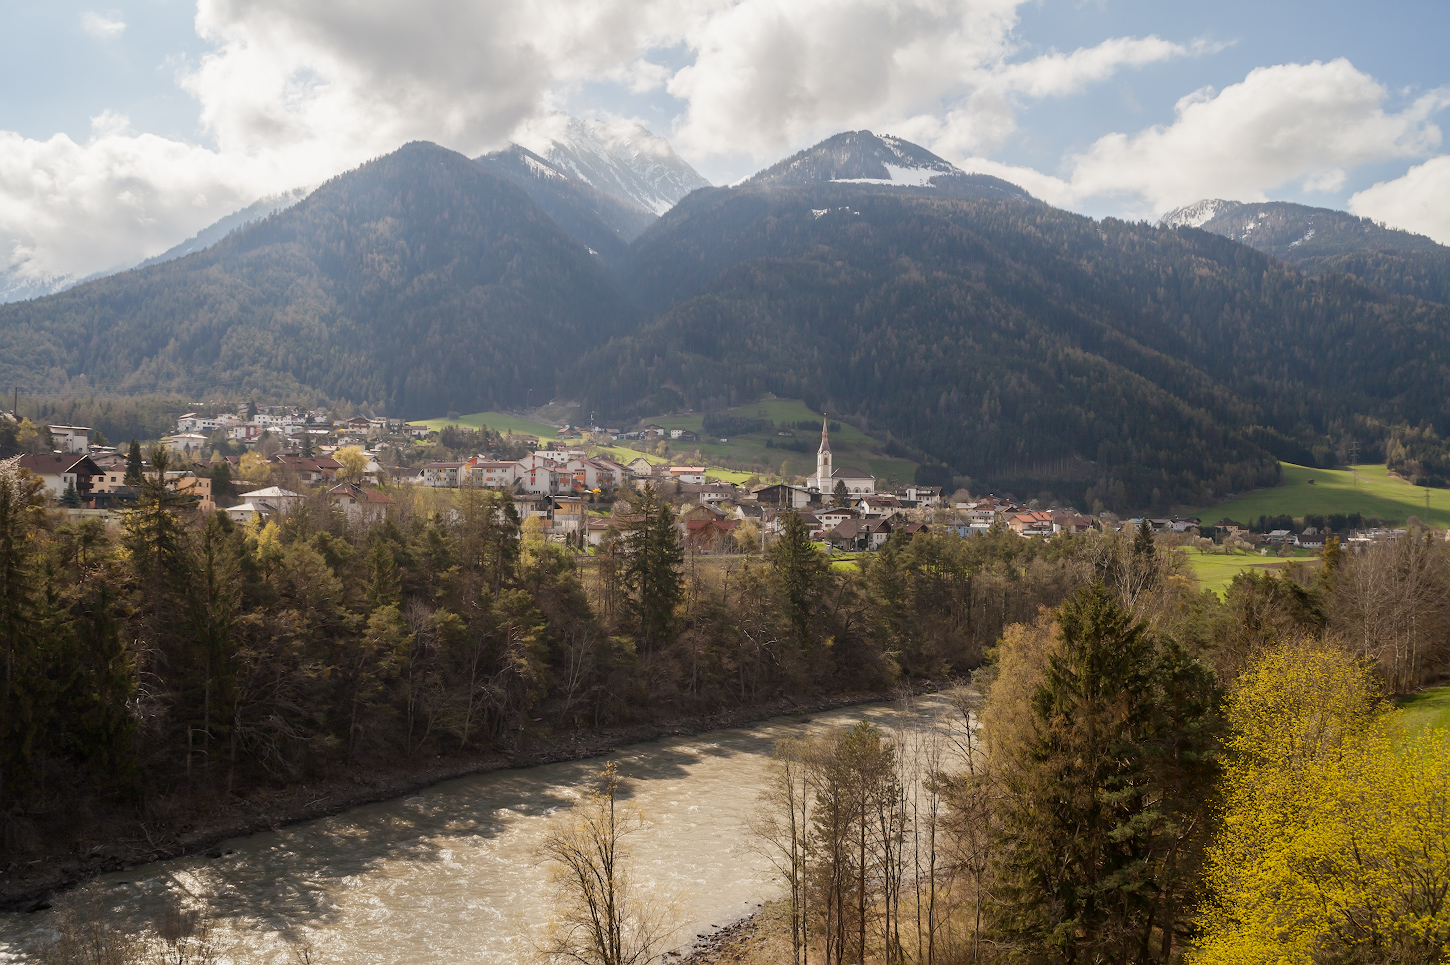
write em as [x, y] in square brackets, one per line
[125, 128]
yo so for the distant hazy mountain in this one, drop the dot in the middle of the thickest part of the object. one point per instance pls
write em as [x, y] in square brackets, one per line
[1320, 240]
[621, 159]
[604, 223]
[15, 287]
[210, 235]
[860, 157]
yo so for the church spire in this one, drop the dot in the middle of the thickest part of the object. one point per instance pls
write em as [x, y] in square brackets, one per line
[825, 440]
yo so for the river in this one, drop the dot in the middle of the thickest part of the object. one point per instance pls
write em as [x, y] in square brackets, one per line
[452, 874]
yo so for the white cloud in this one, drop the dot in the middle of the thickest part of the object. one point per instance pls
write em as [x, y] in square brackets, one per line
[1291, 124]
[294, 91]
[101, 26]
[770, 75]
[1418, 201]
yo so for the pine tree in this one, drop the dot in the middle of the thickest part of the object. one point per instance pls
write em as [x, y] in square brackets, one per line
[19, 499]
[1143, 541]
[652, 569]
[802, 574]
[135, 469]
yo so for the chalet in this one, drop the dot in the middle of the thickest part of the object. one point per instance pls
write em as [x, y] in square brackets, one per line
[640, 468]
[857, 535]
[1310, 539]
[533, 504]
[879, 505]
[707, 530]
[309, 469]
[711, 493]
[416, 432]
[61, 472]
[835, 516]
[359, 502]
[783, 496]
[685, 435]
[653, 432]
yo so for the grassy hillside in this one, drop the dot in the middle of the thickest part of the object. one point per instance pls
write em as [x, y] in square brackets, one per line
[1368, 489]
[1426, 710]
[849, 446]
[497, 421]
[1215, 572]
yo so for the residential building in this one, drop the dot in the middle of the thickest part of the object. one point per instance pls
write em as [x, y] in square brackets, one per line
[61, 472]
[1030, 523]
[783, 496]
[186, 443]
[360, 503]
[442, 474]
[489, 474]
[75, 439]
[273, 500]
[309, 469]
[924, 495]
[537, 473]
[570, 512]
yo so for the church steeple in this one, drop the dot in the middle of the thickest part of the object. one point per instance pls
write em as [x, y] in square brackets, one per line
[824, 475]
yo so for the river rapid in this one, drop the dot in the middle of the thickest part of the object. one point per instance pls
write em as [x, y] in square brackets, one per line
[453, 874]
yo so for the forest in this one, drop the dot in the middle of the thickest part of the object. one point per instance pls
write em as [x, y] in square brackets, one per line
[185, 660]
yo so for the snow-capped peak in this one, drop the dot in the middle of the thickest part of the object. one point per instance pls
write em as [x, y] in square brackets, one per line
[1197, 214]
[618, 157]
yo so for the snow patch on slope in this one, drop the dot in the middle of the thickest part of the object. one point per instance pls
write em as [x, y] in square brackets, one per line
[621, 158]
[915, 177]
[1197, 214]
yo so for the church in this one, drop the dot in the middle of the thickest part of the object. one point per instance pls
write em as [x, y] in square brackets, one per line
[826, 479]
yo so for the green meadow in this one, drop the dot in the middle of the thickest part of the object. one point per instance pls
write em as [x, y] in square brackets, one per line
[1369, 490]
[1216, 571]
[1429, 709]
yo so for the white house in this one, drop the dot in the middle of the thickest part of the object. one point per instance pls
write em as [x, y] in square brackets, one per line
[185, 442]
[72, 438]
[537, 474]
[358, 502]
[490, 474]
[61, 471]
[244, 513]
[273, 501]
[442, 474]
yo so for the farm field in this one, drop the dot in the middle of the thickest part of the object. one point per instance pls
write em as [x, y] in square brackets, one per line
[1426, 710]
[497, 421]
[849, 445]
[1367, 489]
[1215, 572]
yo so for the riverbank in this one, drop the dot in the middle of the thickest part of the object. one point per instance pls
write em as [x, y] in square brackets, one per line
[199, 824]
[745, 942]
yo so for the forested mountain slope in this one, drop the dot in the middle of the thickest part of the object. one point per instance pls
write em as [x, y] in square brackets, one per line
[419, 282]
[1321, 240]
[1023, 345]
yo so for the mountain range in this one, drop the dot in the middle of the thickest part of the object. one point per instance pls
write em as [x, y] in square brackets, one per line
[1111, 364]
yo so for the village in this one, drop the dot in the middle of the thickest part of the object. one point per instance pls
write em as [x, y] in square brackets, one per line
[258, 464]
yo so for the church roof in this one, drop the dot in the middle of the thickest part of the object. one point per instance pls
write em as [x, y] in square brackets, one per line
[825, 438]
[848, 472]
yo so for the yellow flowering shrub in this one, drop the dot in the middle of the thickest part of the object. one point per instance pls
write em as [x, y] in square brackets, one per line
[1334, 843]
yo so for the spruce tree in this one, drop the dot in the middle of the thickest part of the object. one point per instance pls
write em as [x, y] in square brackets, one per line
[652, 569]
[1102, 818]
[135, 469]
[802, 573]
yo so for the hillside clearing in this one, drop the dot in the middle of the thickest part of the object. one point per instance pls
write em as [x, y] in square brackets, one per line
[1366, 489]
